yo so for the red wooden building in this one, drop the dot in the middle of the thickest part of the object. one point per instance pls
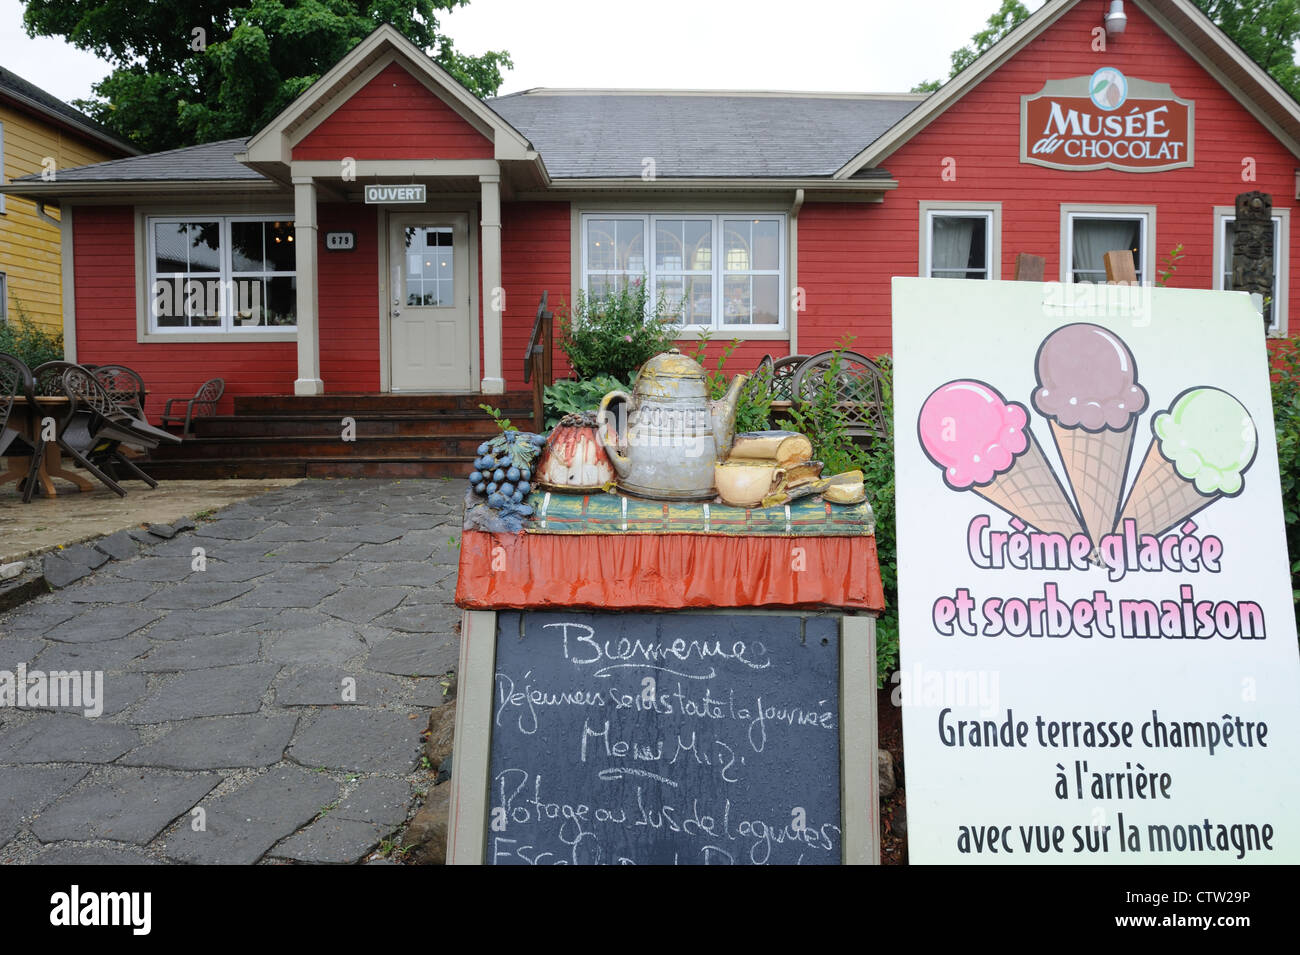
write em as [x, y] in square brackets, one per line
[389, 235]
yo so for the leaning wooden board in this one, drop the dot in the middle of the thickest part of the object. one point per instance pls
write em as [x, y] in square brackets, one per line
[665, 738]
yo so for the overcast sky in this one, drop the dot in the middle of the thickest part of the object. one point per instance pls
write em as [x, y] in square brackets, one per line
[840, 45]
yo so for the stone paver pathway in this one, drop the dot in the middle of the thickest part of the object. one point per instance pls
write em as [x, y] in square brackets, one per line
[265, 707]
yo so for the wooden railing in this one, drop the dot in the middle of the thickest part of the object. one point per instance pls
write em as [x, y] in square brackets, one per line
[537, 361]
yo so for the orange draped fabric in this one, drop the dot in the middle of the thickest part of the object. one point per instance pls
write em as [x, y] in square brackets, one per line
[666, 571]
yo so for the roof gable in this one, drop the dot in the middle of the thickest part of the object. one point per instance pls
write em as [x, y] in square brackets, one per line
[369, 58]
[394, 116]
[1181, 20]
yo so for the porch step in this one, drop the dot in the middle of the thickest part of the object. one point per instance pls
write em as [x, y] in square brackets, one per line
[516, 402]
[291, 467]
[302, 436]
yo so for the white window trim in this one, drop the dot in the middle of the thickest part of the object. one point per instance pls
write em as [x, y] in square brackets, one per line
[1147, 238]
[718, 271]
[4, 298]
[1281, 260]
[991, 211]
[144, 216]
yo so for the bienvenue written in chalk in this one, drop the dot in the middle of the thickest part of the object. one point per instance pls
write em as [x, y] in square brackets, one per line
[1051, 613]
[1114, 771]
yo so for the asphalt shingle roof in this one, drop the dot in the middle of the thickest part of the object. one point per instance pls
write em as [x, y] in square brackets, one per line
[610, 134]
[14, 84]
[210, 161]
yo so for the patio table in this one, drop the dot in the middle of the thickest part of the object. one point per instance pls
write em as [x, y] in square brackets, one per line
[51, 462]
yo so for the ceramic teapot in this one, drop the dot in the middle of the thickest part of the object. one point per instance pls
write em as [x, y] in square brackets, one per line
[665, 437]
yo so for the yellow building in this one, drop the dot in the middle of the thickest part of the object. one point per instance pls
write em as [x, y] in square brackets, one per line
[38, 133]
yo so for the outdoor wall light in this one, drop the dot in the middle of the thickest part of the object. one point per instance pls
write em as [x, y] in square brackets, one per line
[1116, 21]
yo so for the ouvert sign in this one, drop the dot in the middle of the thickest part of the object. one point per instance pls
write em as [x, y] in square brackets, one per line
[386, 194]
[1106, 121]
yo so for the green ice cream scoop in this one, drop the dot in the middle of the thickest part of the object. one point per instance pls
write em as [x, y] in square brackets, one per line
[1210, 438]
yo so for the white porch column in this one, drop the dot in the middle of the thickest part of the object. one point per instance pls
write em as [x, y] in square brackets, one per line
[493, 297]
[305, 243]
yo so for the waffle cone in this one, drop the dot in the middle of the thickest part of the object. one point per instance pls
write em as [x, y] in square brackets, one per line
[1030, 491]
[1096, 465]
[1161, 498]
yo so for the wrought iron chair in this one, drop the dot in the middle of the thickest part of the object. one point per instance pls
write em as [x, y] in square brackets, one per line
[204, 402]
[855, 381]
[783, 371]
[124, 386]
[95, 428]
[16, 381]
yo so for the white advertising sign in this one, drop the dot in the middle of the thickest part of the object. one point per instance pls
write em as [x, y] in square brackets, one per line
[1098, 641]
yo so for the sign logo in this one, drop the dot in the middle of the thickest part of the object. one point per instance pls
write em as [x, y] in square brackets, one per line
[1106, 121]
[1108, 88]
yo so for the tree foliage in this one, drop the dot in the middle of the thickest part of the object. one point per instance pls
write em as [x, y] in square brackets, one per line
[1267, 30]
[1007, 17]
[194, 71]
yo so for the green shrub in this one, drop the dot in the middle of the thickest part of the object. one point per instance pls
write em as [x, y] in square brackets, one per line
[825, 425]
[615, 334]
[24, 339]
[754, 408]
[569, 396]
[1286, 415]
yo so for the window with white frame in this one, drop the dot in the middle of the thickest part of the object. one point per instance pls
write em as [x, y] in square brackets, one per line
[958, 244]
[1225, 245]
[221, 274]
[715, 271]
[1090, 235]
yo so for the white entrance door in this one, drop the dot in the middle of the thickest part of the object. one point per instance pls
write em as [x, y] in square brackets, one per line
[429, 316]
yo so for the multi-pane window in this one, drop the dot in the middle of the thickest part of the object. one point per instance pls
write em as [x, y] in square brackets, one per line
[430, 266]
[714, 271]
[1091, 235]
[1274, 303]
[959, 244]
[221, 274]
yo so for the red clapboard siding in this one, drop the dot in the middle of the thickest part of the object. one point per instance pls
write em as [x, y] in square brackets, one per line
[535, 258]
[394, 116]
[104, 253]
[349, 301]
[848, 253]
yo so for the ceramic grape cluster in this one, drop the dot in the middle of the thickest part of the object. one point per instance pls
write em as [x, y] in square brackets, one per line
[503, 471]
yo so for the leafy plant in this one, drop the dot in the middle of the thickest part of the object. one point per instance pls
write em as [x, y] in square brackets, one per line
[1286, 416]
[495, 413]
[1171, 265]
[754, 409]
[616, 333]
[569, 397]
[825, 425]
[26, 340]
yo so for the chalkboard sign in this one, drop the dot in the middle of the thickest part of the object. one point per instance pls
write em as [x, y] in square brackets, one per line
[678, 738]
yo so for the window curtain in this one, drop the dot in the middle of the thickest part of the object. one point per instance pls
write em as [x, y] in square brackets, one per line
[951, 242]
[1093, 238]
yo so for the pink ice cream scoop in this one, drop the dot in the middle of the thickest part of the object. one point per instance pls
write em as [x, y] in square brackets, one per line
[972, 432]
[1087, 379]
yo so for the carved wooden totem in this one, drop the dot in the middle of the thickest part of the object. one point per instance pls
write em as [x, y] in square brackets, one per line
[1252, 251]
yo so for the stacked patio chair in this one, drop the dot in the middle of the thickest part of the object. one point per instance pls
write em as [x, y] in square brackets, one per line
[94, 428]
[123, 385]
[16, 381]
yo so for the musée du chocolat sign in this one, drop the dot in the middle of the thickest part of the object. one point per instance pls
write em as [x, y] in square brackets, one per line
[1106, 121]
